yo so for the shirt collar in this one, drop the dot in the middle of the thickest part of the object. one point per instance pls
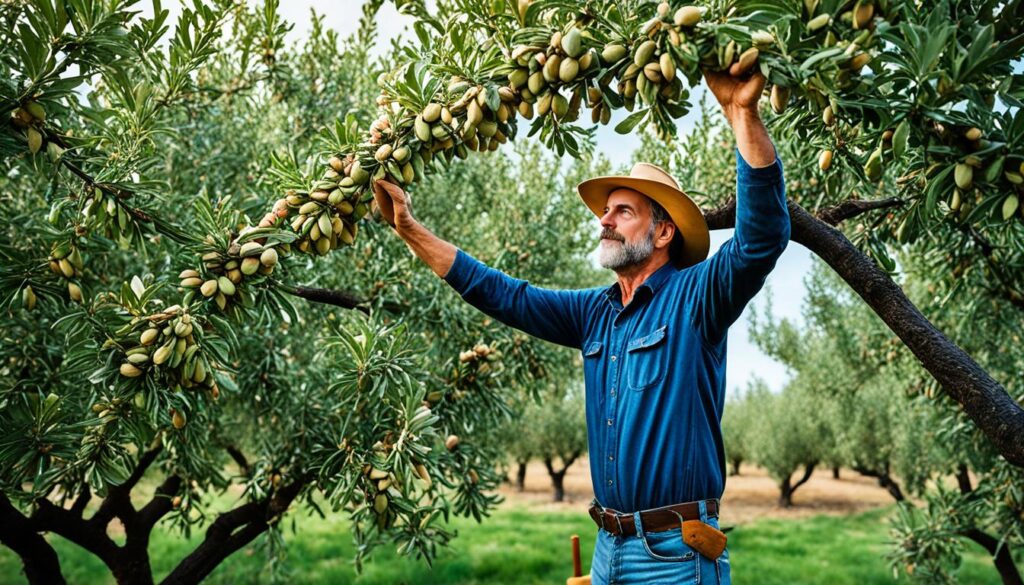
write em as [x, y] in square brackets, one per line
[652, 283]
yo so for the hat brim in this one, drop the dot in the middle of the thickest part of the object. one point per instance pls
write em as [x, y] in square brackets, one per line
[684, 212]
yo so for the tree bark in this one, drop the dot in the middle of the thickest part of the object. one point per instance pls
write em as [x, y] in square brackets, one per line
[38, 559]
[736, 466]
[786, 488]
[835, 472]
[884, 480]
[558, 477]
[231, 531]
[521, 476]
[984, 400]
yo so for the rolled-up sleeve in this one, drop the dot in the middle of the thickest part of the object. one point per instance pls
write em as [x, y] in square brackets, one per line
[552, 315]
[739, 269]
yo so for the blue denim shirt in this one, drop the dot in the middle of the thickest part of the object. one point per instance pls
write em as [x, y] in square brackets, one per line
[654, 369]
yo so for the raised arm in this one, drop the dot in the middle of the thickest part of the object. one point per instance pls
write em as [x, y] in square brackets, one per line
[553, 315]
[732, 277]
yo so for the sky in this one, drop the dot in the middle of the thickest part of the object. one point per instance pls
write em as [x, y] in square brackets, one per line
[785, 283]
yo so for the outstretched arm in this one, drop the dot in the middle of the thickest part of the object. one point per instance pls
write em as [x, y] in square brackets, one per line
[739, 269]
[553, 315]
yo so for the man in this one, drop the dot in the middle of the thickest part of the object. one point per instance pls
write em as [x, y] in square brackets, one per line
[654, 343]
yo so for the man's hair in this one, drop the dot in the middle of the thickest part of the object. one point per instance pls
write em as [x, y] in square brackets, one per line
[675, 247]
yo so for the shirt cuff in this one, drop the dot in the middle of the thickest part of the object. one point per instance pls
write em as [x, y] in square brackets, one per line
[459, 274]
[749, 175]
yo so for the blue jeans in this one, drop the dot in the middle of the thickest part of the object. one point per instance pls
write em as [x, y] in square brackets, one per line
[656, 558]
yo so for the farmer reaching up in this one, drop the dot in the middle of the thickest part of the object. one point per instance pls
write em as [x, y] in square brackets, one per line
[653, 343]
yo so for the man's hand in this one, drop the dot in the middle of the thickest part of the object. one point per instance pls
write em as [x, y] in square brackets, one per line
[736, 94]
[393, 203]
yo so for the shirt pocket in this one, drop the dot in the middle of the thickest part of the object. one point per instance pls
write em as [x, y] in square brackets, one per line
[647, 359]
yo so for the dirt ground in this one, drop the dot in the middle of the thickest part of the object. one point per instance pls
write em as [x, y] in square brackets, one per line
[749, 496]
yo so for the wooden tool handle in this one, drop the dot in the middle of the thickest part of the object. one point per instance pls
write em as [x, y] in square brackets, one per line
[577, 569]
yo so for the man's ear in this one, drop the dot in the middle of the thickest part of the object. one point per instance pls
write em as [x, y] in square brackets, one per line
[666, 232]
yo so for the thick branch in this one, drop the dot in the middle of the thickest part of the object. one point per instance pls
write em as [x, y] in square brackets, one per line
[118, 502]
[239, 458]
[38, 558]
[984, 400]
[1000, 555]
[854, 207]
[78, 508]
[160, 505]
[49, 517]
[337, 298]
[230, 532]
[807, 475]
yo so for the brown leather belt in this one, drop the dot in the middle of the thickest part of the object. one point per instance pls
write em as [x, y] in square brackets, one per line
[654, 520]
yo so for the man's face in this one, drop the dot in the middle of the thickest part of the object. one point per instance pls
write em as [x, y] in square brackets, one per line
[627, 232]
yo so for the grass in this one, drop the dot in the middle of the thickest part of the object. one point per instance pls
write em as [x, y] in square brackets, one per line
[514, 547]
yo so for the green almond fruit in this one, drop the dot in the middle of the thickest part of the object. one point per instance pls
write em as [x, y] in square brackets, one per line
[191, 282]
[536, 83]
[250, 266]
[964, 175]
[825, 160]
[138, 359]
[551, 67]
[519, 77]
[762, 38]
[817, 22]
[188, 274]
[385, 150]
[612, 53]
[431, 113]
[873, 167]
[35, 140]
[324, 223]
[779, 98]
[162, 354]
[309, 208]
[899, 138]
[36, 110]
[75, 292]
[687, 16]
[269, 257]
[572, 43]
[130, 371]
[644, 53]
[1010, 205]
[358, 174]
[422, 129]
[149, 336]
[559, 105]
[250, 249]
[401, 154]
[568, 70]
[668, 67]
[226, 286]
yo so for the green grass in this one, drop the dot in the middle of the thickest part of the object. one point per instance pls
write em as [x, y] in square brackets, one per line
[514, 548]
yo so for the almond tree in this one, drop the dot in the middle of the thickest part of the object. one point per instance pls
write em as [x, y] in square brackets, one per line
[101, 118]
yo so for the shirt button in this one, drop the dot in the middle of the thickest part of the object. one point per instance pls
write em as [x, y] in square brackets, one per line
[609, 422]
[611, 458]
[613, 358]
[613, 391]
[609, 482]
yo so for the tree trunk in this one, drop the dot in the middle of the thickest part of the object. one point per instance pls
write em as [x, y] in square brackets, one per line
[835, 472]
[736, 466]
[984, 400]
[38, 559]
[558, 477]
[558, 481]
[786, 488]
[521, 476]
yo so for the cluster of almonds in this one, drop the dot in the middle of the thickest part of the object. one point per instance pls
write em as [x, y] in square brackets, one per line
[168, 341]
[327, 215]
[66, 262]
[228, 269]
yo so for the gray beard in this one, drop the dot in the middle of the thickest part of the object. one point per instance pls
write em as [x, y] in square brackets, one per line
[622, 255]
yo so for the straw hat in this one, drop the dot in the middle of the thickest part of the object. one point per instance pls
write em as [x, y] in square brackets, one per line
[657, 184]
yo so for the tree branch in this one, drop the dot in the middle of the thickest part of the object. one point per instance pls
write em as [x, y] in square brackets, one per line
[231, 531]
[337, 298]
[984, 400]
[78, 508]
[38, 559]
[50, 517]
[854, 207]
[239, 458]
[160, 505]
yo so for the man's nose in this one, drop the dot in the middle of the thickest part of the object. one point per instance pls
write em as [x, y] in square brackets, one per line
[607, 220]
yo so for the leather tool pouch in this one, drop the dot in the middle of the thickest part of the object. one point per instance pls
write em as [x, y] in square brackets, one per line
[704, 538]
